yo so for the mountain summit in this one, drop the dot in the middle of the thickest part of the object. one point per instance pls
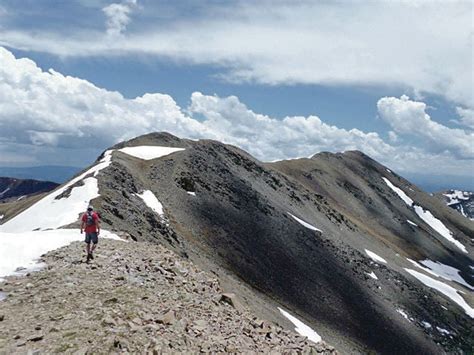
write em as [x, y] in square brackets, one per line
[365, 258]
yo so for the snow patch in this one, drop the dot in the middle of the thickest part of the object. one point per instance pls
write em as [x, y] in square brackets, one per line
[21, 198]
[399, 192]
[22, 250]
[375, 257]
[405, 315]
[4, 191]
[426, 325]
[146, 152]
[444, 271]
[438, 226]
[455, 196]
[1, 216]
[445, 289]
[372, 275]
[443, 331]
[151, 201]
[305, 224]
[390, 171]
[52, 213]
[191, 193]
[426, 216]
[302, 328]
[412, 223]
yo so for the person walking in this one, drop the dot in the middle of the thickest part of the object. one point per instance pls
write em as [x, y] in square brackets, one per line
[91, 226]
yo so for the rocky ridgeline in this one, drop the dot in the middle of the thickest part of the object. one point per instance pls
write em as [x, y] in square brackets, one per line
[134, 297]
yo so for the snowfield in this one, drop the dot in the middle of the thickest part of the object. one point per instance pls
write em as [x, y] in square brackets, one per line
[456, 196]
[302, 328]
[445, 289]
[151, 201]
[305, 224]
[375, 257]
[149, 152]
[22, 250]
[426, 216]
[441, 270]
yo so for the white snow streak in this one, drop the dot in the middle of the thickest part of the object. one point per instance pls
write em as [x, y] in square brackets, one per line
[375, 257]
[191, 193]
[151, 201]
[399, 192]
[445, 289]
[4, 191]
[445, 271]
[404, 314]
[146, 152]
[305, 224]
[302, 328]
[412, 223]
[372, 275]
[426, 216]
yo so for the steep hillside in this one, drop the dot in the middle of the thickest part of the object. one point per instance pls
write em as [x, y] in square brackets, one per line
[348, 246]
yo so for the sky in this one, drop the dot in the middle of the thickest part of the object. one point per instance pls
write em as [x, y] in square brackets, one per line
[280, 79]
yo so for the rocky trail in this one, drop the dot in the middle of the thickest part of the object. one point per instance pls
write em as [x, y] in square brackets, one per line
[132, 298]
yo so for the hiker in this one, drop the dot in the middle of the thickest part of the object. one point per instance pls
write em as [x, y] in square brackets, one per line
[91, 225]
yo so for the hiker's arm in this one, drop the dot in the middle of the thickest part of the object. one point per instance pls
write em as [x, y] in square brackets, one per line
[97, 223]
[82, 227]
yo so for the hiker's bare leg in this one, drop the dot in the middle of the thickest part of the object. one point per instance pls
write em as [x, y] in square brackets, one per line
[88, 248]
[93, 247]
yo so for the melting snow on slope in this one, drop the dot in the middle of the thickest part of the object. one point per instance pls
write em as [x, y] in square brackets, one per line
[305, 224]
[51, 213]
[375, 257]
[438, 226]
[399, 192]
[405, 315]
[372, 275]
[426, 216]
[21, 250]
[445, 289]
[151, 201]
[441, 270]
[146, 152]
[412, 223]
[191, 193]
[302, 328]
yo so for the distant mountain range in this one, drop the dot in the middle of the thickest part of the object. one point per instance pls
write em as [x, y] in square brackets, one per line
[461, 201]
[13, 188]
[58, 174]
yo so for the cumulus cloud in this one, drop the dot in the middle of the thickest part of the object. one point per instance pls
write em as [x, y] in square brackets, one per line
[48, 116]
[410, 118]
[118, 16]
[309, 42]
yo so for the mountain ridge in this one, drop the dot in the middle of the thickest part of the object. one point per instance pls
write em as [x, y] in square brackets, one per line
[301, 234]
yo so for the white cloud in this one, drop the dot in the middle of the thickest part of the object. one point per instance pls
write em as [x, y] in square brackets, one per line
[467, 117]
[47, 116]
[410, 118]
[426, 46]
[118, 16]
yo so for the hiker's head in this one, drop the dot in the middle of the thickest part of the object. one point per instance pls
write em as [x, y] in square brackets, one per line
[90, 208]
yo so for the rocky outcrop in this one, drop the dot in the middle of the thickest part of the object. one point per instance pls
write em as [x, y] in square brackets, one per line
[132, 298]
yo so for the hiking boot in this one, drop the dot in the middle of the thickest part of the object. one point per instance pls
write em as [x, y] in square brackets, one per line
[92, 256]
[89, 257]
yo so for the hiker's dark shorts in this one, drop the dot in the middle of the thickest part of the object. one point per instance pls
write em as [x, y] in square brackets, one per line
[92, 237]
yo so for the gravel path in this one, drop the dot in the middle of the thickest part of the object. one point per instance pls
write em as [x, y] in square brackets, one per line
[134, 297]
